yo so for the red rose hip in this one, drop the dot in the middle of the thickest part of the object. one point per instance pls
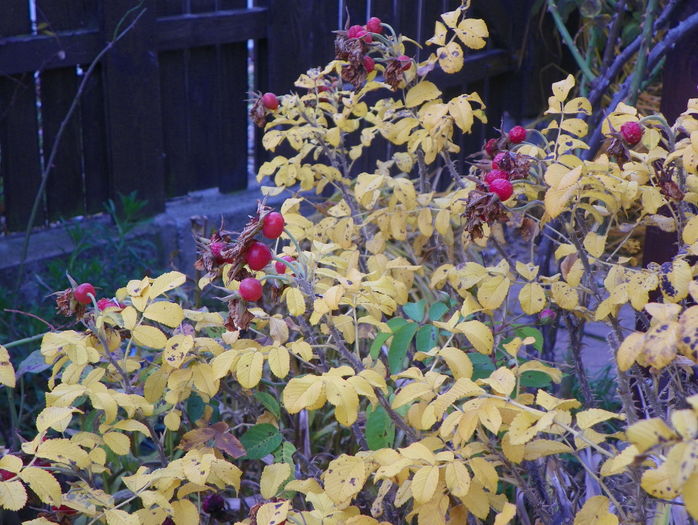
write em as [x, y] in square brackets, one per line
[105, 303]
[369, 64]
[498, 158]
[82, 293]
[250, 289]
[273, 225]
[258, 255]
[517, 134]
[631, 132]
[491, 147]
[270, 101]
[494, 175]
[281, 267]
[356, 31]
[374, 25]
[502, 188]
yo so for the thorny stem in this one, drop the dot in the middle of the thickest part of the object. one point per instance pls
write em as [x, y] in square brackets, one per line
[564, 32]
[641, 63]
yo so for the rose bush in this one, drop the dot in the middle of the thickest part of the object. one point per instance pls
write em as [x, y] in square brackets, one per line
[393, 374]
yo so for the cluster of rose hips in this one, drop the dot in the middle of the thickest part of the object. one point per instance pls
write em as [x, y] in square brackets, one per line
[374, 25]
[497, 179]
[258, 256]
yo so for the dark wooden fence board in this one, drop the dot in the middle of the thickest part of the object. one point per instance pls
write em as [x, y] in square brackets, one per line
[20, 162]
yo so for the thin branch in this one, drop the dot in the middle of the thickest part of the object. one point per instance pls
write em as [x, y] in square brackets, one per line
[613, 35]
[56, 143]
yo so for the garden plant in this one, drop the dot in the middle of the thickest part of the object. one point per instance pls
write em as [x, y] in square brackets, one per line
[377, 354]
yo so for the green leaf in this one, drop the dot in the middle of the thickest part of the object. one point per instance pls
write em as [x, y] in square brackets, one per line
[437, 311]
[415, 311]
[380, 430]
[379, 341]
[269, 402]
[261, 440]
[535, 379]
[482, 365]
[426, 338]
[529, 331]
[400, 345]
[396, 323]
[34, 363]
[195, 407]
[284, 454]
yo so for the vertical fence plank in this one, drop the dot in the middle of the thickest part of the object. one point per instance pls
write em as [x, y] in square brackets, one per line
[134, 122]
[20, 162]
[64, 189]
[94, 143]
[232, 117]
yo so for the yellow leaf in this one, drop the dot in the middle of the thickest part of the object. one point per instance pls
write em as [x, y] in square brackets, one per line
[508, 513]
[204, 379]
[461, 111]
[149, 336]
[629, 350]
[658, 483]
[56, 418]
[458, 362]
[501, 380]
[7, 371]
[302, 392]
[617, 464]
[564, 295]
[166, 282]
[279, 361]
[118, 442]
[424, 483]
[562, 88]
[479, 335]
[439, 37]
[595, 512]
[344, 478]
[595, 244]
[485, 473]
[688, 492]
[248, 370]
[493, 291]
[273, 478]
[411, 392]
[451, 18]
[185, 512]
[130, 317]
[424, 222]
[274, 513]
[165, 312]
[660, 344]
[295, 302]
[177, 348]
[63, 451]
[472, 32]
[172, 420]
[457, 479]
[443, 222]
[450, 58]
[13, 495]
[591, 417]
[421, 92]
[121, 517]
[649, 432]
[532, 298]
[690, 231]
[11, 463]
[539, 448]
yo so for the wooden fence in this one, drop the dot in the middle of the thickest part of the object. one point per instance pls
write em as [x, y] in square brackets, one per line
[165, 112]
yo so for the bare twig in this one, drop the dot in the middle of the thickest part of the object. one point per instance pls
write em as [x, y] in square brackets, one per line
[641, 63]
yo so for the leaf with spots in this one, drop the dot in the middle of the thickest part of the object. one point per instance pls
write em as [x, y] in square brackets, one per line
[344, 478]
